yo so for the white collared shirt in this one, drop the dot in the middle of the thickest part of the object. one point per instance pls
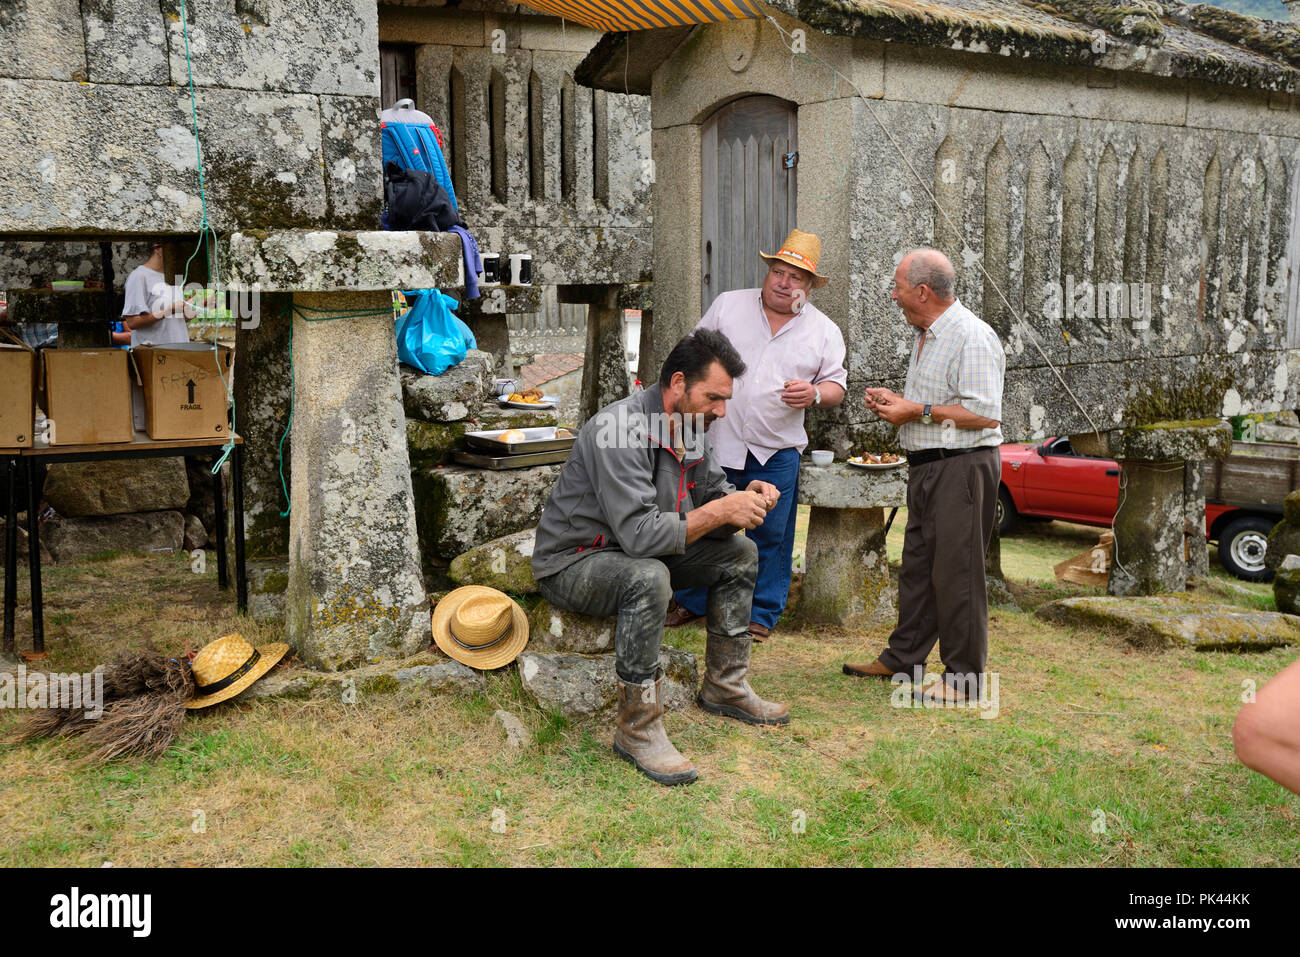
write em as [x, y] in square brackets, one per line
[809, 348]
[963, 363]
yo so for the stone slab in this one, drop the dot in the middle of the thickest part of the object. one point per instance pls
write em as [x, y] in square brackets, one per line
[453, 396]
[1170, 622]
[150, 533]
[458, 507]
[557, 629]
[115, 486]
[311, 46]
[120, 159]
[126, 42]
[325, 261]
[583, 687]
[42, 39]
[504, 563]
[839, 485]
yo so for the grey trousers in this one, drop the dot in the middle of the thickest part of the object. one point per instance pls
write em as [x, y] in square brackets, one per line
[941, 589]
[637, 590]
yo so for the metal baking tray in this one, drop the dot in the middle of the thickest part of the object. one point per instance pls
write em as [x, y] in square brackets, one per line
[499, 462]
[535, 440]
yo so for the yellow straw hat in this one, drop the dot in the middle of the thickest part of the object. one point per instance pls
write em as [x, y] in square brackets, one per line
[225, 667]
[802, 250]
[480, 627]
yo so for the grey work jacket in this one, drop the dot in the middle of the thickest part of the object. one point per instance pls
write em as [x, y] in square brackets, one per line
[623, 487]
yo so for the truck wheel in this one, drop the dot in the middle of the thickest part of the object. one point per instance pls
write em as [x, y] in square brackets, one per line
[1242, 544]
[1005, 515]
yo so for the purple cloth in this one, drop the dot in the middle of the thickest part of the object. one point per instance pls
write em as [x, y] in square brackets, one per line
[473, 261]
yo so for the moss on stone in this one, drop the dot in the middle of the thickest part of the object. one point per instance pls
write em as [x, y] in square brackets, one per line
[1177, 424]
[1194, 397]
[273, 584]
[251, 194]
[379, 684]
[1271, 38]
[1135, 19]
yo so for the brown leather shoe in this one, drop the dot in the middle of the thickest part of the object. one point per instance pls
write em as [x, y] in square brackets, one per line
[758, 632]
[939, 693]
[877, 669]
[678, 616]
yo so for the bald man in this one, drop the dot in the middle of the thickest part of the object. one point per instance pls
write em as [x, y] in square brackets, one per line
[948, 420]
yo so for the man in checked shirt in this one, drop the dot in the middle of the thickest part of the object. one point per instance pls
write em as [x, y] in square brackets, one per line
[948, 420]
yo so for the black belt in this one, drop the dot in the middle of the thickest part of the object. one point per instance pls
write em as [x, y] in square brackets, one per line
[931, 455]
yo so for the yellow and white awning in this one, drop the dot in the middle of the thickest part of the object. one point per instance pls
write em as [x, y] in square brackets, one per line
[645, 14]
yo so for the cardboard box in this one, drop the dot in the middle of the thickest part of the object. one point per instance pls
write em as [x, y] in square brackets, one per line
[17, 395]
[184, 389]
[87, 395]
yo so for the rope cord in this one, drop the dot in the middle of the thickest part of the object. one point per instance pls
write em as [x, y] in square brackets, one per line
[1019, 322]
[207, 238]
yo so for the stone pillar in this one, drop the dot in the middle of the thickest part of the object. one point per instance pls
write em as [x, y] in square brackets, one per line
[604, 377]
[354, 592]
[1159, 500]
[1198, 552]
[1149, 556]
[262, 377]
[1293, 8]
[846, 571]
[994, 581]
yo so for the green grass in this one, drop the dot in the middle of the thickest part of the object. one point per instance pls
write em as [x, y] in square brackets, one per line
[1088, 730]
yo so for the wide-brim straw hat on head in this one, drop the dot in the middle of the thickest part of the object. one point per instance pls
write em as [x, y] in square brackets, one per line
[480, 627]
[803, 250]
[225, 667]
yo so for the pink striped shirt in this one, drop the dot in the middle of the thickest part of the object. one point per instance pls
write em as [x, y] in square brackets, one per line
[809, 347]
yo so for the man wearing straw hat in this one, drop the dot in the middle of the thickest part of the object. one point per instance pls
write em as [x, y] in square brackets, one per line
[795, 359]
[642, 507]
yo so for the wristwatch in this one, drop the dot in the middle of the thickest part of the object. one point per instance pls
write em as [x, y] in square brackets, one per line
[925, 416]
[817, 396]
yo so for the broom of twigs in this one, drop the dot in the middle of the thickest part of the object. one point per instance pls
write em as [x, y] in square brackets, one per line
[144, 704]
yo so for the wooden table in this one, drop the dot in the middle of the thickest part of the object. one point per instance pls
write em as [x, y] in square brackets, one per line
[139, 447]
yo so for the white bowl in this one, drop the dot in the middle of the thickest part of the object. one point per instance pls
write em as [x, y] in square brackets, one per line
[822, 457]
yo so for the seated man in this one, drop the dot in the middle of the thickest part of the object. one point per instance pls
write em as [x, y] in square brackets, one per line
[642, 507]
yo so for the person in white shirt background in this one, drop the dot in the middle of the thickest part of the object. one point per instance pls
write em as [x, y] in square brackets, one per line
[154, 311]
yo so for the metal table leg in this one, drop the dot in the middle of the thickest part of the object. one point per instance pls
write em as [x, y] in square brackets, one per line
[11, 552]
[34, 561]
[219, 512]
[241, 577]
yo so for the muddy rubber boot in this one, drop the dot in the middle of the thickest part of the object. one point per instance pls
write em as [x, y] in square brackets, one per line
[725, 690]
[641, 739]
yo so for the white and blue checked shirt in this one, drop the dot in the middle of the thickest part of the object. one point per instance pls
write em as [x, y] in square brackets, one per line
[962, 364]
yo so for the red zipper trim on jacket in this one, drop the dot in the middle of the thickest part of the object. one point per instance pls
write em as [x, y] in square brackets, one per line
[681, 480]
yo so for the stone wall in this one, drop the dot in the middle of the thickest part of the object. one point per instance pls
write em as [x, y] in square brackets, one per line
[1055, 174]
[540, 165]
[98, 125]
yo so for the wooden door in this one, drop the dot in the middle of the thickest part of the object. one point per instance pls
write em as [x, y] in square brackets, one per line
[748, 165]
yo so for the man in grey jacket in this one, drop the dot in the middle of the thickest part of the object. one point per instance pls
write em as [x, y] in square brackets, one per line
[641, 508]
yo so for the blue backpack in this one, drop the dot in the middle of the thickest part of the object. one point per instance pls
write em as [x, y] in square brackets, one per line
[410, 139]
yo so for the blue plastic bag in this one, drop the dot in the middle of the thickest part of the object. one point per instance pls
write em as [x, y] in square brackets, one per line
[429, 336]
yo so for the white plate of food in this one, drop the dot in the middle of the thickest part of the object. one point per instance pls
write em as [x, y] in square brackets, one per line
[873, 462]
[528, 399]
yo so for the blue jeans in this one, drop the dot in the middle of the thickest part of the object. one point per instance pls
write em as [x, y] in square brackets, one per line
[774, 538]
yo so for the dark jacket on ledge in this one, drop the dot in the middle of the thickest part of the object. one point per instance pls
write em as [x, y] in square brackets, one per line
[624, 487]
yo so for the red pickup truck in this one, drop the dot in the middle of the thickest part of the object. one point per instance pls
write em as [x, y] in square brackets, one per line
[1243, 494]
